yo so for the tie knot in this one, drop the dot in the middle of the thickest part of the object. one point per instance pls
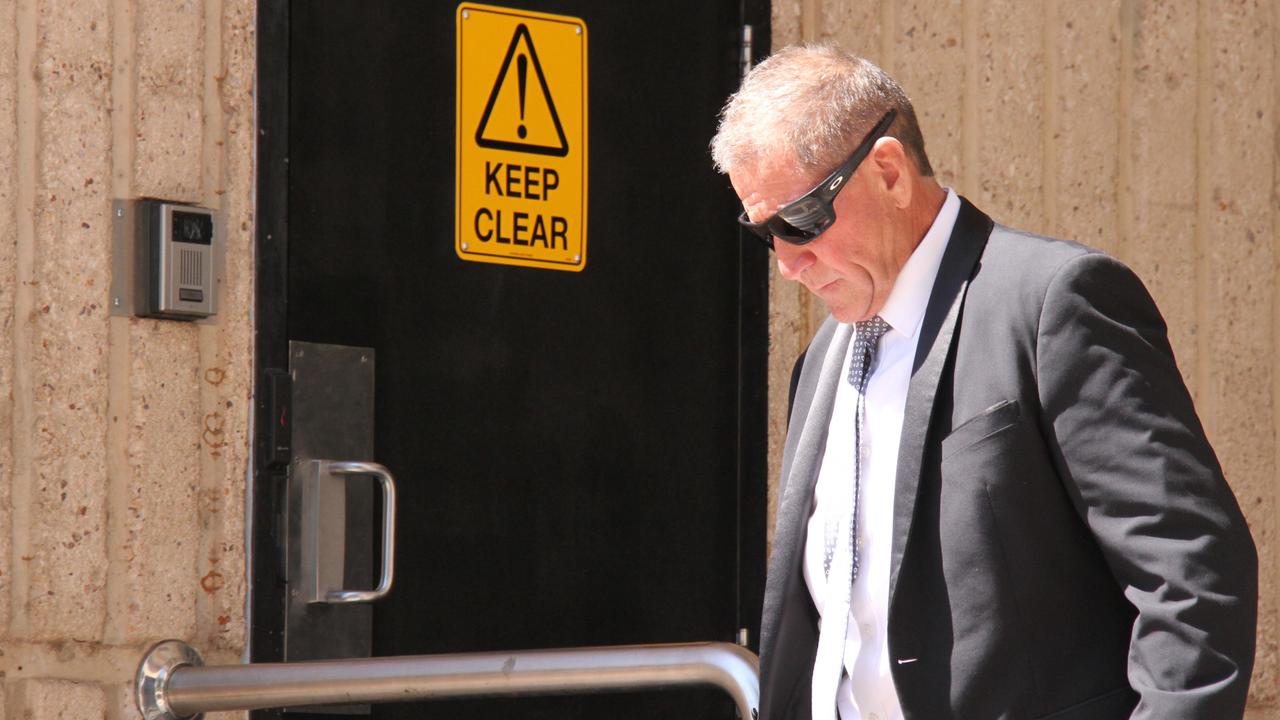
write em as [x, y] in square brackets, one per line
[870, 330]
[864, 349]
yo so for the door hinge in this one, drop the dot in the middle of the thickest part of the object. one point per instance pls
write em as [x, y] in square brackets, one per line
[744, 62]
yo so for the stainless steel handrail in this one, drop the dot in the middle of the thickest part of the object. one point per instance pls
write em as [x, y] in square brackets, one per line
[171, 682]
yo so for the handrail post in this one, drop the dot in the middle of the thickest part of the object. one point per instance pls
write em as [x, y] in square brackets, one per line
[171, 683]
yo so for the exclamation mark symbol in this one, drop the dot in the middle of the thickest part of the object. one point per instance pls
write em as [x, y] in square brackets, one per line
[522, 72]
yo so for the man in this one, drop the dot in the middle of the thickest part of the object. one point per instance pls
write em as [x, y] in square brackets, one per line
[996, 498]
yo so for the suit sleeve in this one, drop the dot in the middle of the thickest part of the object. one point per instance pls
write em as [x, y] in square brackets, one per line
[1136, 463]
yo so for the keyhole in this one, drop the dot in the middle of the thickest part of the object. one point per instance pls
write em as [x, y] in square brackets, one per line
[522, 71]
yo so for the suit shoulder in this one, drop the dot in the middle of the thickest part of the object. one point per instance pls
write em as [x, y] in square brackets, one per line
[1030, 262]
[1031, 251]
[1018, 271]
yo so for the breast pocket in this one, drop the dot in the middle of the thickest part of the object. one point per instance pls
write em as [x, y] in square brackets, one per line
[984, 425]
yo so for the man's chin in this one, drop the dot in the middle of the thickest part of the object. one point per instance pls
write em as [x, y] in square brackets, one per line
[845, 309]
[848, 315]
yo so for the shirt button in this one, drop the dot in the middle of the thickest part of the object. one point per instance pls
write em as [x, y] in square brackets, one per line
[873, 716]
[868, 631]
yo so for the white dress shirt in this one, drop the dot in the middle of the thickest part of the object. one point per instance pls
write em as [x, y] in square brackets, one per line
[867, 692]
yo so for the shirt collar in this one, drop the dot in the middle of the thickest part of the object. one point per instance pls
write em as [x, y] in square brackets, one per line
[904, 310]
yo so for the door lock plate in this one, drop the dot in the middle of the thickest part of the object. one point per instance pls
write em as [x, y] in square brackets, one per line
[330, 535]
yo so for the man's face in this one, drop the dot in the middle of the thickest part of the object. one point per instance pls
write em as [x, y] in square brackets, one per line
[853, 264]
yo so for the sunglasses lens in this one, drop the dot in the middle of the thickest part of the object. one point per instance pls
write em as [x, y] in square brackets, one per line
[799, 234]
[784, 230]
[806, 212]
[802, 221]
[797, 223]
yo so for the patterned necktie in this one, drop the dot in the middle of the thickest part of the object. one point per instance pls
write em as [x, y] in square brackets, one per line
[840, 559]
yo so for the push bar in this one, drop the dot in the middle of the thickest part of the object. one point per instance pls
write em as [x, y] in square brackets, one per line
[173, 684]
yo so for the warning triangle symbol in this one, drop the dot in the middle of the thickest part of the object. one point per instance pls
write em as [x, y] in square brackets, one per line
[514, 118]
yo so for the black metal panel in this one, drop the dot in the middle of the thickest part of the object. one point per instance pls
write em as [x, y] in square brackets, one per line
[753, 383]
[581, 456]
[266, 623]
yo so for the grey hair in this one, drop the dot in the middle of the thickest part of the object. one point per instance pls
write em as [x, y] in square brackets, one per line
[814, 104]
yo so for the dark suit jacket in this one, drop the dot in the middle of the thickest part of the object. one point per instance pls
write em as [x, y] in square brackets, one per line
[1064, 544]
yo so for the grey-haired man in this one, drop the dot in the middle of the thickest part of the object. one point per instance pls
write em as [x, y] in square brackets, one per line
[996, 499]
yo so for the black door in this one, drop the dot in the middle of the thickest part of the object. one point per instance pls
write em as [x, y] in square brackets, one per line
[580, 455]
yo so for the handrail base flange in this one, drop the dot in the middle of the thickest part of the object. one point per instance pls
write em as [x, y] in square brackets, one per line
[153, 674]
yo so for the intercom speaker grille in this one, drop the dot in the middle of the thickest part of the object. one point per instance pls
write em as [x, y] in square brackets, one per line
[192, 268]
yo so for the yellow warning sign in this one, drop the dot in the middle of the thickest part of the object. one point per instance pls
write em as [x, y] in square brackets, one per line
[521, 153]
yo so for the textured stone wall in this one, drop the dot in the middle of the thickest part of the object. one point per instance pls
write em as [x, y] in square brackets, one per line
[1146, 128]
[123, 442]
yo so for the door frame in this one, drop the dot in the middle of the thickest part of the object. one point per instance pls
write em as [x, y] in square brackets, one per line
[265, 492]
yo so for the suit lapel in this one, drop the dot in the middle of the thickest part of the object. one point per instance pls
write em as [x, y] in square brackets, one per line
[806, 440]
[968, 238]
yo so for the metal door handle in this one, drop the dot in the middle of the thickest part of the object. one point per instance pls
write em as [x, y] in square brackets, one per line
[323, 580]
[388, 484]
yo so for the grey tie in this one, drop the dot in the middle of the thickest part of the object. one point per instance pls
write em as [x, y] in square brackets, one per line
[865, 343]
[840, 559]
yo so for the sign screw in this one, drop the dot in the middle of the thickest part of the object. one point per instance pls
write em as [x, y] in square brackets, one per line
[577, 258]
[577, 30]
[466, 14]
[464, 246]
[119, 212]
[115, 301]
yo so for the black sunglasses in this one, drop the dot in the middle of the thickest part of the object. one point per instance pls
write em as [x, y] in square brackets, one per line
[801, 220]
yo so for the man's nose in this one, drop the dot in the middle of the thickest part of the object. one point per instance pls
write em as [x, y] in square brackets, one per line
[792, 259]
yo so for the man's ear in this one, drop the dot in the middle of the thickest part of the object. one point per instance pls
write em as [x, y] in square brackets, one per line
[893, 168]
